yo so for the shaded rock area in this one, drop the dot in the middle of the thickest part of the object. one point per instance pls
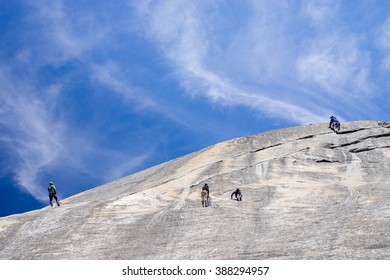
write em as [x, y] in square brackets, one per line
[308, 193]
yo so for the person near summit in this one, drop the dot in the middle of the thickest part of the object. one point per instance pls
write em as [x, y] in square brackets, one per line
[333, 120]
[52, 194]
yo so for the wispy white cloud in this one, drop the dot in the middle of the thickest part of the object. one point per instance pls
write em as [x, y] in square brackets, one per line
[295, 55]
[34, 132]
[38, 136]
[181, 31]
[335, 63]
[384, 36]
[321, 12]
[383, 41]
[77, 37]
[109, 74]
[65, 33]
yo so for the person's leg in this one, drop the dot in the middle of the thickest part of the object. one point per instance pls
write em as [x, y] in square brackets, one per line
[51, 198]
[56, 198]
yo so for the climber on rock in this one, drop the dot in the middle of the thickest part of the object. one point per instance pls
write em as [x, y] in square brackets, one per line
[334, 123]
[52, 194]
[206, 189]
[237, 193]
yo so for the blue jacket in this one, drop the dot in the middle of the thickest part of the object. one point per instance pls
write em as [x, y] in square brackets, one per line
[333, 119]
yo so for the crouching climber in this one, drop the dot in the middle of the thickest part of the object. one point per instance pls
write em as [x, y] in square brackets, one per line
[334, 123]
[237, 193]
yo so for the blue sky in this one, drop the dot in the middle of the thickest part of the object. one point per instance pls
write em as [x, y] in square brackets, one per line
[92, 91]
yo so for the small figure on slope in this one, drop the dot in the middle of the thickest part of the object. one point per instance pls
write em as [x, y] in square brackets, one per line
[334, 124]
[52, 194]
[205, 194]
[237, 193]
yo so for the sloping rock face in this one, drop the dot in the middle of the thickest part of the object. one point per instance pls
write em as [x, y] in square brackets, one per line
[308, 193]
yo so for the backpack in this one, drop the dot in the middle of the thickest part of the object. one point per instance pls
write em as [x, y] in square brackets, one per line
[52, 189]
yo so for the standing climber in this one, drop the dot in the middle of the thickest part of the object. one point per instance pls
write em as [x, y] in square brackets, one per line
[206, 188]
[52, 194]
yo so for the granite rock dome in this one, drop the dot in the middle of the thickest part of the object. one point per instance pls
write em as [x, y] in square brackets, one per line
[308, 193]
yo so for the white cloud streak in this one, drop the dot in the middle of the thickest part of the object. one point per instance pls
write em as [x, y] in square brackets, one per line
[383, 42]
[291, 69]
[64, 36]
[335, 63]
[180, 29]
[35, 133]
[38, 137]
[109, 75]
[321, 12]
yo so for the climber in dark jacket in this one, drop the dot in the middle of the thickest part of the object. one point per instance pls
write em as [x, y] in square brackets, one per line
[52, 194]
[237, 193]
[333, 120]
